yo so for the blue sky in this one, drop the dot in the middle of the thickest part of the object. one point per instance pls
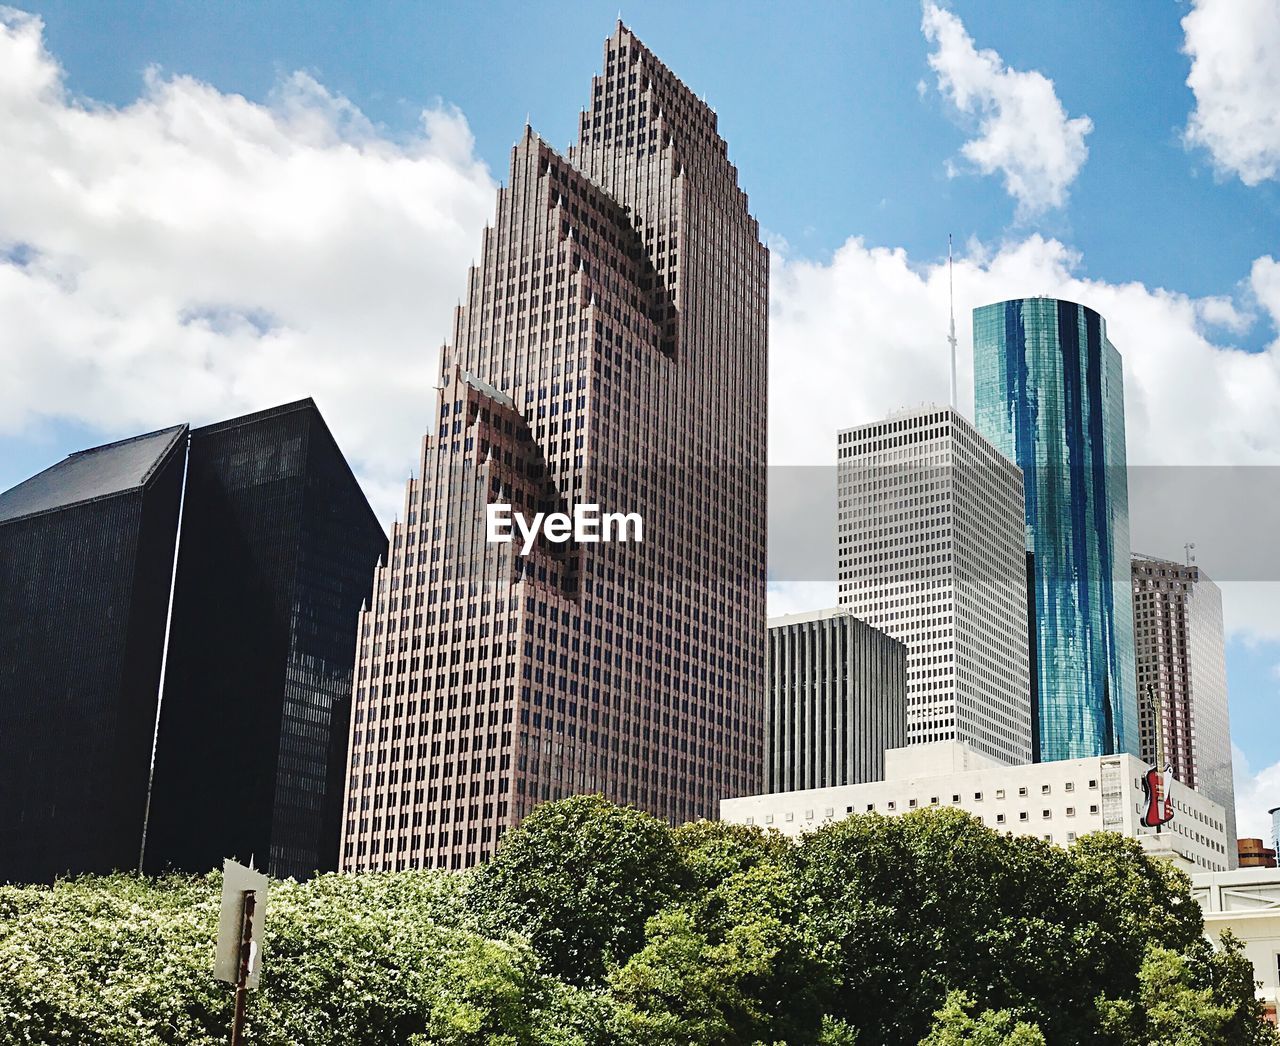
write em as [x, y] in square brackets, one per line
[819, 102]
[848, 140]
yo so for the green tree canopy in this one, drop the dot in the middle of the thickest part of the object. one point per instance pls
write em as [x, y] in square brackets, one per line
[599, 926]
[579, 878]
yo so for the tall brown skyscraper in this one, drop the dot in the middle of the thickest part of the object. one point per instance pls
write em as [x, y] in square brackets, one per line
[612, 352]
[1180, 650]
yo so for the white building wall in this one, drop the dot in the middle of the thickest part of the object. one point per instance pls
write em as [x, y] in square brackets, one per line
[1246, 901]
[1057, 802]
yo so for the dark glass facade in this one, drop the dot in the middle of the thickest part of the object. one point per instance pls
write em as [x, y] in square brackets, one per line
[277, 550]
[86, 558]
[1049, 395]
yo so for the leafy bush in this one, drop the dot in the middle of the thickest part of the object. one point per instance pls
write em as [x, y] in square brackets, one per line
[599, 925]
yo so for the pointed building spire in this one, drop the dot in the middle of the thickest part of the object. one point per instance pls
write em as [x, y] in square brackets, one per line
[951, 338]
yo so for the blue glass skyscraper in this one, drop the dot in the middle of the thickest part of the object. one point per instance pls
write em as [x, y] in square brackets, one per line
[1049, 393]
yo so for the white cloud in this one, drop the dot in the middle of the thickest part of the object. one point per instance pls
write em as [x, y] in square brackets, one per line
[1256, 793]
[1023, 132]
[1235, 77]
[195, 255]
[864, 334]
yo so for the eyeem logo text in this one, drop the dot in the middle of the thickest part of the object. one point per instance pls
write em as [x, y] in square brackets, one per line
[586, 525]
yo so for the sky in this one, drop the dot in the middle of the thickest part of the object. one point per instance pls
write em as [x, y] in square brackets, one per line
[210, 209]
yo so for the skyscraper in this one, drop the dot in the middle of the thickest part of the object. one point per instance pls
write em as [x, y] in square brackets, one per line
[86, 557]
[1180, 650]
[1049, 394]
[837, 700]
[277, 548]
[236, 556]
[930, 551]
[611, 352]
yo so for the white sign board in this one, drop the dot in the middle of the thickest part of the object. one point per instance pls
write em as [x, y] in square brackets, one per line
[237, 880]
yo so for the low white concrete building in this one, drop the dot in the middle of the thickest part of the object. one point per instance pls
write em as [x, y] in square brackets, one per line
[1246, 902]
[1058, 802]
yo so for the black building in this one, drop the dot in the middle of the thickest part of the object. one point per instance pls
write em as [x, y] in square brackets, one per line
[275, 547]
[277, 551]
[86, 559]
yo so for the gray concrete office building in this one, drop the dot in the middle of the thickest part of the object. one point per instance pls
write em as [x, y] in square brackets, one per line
[931, 549]
[837, 700]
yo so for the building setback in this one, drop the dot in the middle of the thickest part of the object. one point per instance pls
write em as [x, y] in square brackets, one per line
[1180, 649]
[1058, 802]
[1049, 394]
[836, 700]
[86, 557]
[278, 544]
[930, 549]
[611, 351]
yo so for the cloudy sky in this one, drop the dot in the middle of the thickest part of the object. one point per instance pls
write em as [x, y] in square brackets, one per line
[209, 209]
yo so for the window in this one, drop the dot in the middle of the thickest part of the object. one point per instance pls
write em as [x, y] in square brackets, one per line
[956, 798]
[999, 793]
[1093, 809]
[790, 816]
[1022, 816]
[1046, 814]
[933, 800]
[1093, 783]
[1022, 790]
[768, 818]
[977, 797]
[751, 820]
[1071, 811]
[1070, 786]
[892, 805]
[911, 803]
[1045, 789]
[999, 818]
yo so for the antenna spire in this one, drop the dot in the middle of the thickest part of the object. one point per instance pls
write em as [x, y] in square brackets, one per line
[951, 338]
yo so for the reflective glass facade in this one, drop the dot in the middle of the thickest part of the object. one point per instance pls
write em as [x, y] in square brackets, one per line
[1049, 393]
[277, 547]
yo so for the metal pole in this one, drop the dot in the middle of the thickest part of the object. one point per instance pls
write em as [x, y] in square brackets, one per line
[242, 976]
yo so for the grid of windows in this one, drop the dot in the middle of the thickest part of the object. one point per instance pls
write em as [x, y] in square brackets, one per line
[611, 351]
[1182, 680]
[930, 550]
[1058, 802]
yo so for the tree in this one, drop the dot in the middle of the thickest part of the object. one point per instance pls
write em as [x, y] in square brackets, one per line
[955, 1026]
[579, 878]
[1194, 998]
[737, 965]
[930, 902]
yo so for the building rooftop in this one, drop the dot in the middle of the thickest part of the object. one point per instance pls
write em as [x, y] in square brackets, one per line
[90, 474]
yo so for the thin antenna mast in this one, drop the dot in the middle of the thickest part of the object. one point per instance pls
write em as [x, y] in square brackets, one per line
[951, 338]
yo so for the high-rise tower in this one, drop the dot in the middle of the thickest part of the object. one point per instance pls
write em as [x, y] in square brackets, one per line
[1182, 678]
[612, 351]
[1049, 393]
[929, 550]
